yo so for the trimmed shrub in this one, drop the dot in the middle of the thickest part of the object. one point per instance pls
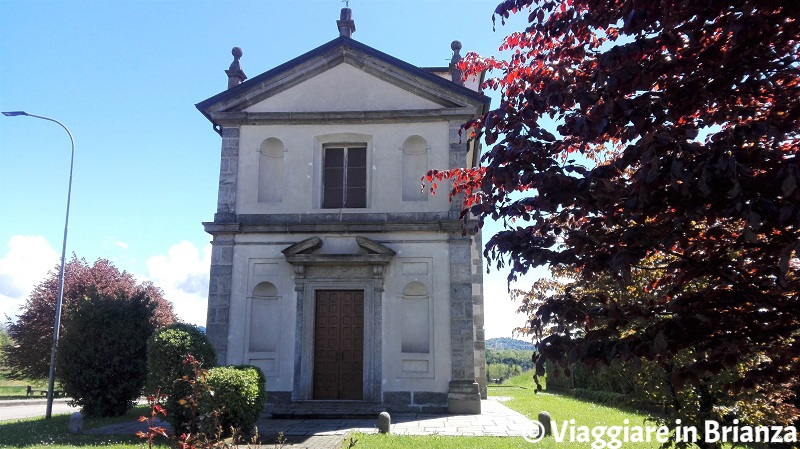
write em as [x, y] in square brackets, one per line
[239, 395]
[102, 351]
[166, 350]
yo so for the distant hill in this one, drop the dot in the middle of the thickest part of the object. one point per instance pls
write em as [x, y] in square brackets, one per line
[506, 343]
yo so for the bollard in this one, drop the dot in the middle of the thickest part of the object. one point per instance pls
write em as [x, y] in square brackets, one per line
[76, 423]
[384, 422]
[545, 419]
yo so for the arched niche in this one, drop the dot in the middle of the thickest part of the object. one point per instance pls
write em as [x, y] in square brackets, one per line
[264, 319]
[415, 319]
[415, 288]
[270, 171]
[265, 289]
[415, 166]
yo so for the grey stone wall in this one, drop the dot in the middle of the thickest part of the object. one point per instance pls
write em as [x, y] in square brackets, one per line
[461, 310]
[219, 293]
[221, 276]
[415, 401]
[478, 312]
[228, 173]
[463, 392]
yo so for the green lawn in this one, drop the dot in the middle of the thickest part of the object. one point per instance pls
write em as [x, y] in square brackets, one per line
[16, 389]
[38, 433]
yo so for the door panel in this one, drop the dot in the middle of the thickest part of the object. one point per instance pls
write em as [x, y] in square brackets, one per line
[338, 345]
[326, 347]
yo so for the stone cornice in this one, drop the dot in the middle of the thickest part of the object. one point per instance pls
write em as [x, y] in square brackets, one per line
[356, 117]
[339, 259]
[339, 223]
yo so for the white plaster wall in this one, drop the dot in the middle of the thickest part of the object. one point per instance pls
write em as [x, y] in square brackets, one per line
[342, 88]
[417, 248]
[248, 252]
[303, 162]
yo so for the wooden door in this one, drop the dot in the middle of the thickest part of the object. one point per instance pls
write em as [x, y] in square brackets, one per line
[339, 345]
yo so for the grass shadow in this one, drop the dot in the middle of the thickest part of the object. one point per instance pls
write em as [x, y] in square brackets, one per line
[40, 432]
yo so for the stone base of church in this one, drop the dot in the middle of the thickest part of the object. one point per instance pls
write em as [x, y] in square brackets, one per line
[279, 397]
[464, 398]
[415, 401]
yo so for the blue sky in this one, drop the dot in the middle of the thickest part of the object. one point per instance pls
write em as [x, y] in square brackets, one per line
[124, 77]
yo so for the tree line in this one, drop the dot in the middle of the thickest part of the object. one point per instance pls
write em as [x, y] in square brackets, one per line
[506, 363]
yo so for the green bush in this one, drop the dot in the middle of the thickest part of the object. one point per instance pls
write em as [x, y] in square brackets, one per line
[166, 350]
[601, 397]
[238, 393]
[102, 351]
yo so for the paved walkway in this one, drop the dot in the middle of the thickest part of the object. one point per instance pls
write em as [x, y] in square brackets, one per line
[495, 420]
[29, 408]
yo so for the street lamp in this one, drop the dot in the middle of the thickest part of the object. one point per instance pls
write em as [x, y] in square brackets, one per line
[60, 300]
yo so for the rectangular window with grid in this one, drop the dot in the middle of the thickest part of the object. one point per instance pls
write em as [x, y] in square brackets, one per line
[344, 176]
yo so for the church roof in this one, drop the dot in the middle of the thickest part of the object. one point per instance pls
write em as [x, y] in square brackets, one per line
[341, 49]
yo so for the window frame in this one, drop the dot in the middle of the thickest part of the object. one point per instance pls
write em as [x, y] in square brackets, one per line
[346, 187]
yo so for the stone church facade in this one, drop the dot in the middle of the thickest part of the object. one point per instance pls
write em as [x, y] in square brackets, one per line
[332, 270]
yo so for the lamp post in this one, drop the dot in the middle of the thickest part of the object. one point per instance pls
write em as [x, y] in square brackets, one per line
[60, 299]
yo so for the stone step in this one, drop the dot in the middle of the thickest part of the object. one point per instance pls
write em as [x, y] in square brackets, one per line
[325, 410]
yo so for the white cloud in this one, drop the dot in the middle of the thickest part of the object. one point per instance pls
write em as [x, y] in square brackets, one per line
[26, 264]
[183, 275]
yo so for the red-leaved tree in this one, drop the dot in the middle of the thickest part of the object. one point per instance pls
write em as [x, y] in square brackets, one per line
[677, 139]
[32, 332]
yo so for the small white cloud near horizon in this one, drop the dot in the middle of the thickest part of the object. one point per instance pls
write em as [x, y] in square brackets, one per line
[28, 261]
[183, 275]
[113, 242]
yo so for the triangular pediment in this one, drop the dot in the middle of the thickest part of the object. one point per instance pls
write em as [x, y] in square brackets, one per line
[303, 247]
[340, 76]
[343, 88]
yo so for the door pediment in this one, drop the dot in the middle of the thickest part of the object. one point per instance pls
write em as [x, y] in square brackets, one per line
[302, 253]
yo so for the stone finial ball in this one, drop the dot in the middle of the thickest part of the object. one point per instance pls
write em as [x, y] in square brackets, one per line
[236, 52]
[455, 45]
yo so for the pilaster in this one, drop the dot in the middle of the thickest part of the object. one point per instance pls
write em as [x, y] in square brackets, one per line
[228, 174]
[219, 293]
[457, 159]
[464, 393]
[478, 312]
